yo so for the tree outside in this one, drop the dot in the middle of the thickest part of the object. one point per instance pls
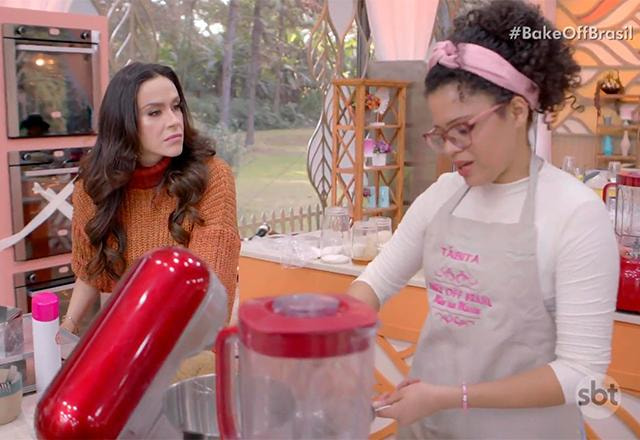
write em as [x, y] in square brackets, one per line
[243, 65]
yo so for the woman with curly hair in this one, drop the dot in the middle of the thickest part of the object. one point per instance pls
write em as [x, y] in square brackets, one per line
[519, 258]
[150, 181]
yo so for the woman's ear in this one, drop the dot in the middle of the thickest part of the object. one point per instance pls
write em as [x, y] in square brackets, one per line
[518, 108]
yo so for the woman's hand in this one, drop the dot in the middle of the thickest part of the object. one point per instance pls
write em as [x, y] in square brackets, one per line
[413, 400]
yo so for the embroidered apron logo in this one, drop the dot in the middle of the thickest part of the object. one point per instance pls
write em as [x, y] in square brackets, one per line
[456, 302]
[453, 254]
[455, 299]
[457, 277]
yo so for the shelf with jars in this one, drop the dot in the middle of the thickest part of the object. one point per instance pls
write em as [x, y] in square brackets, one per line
[368, 147]
[617, 128]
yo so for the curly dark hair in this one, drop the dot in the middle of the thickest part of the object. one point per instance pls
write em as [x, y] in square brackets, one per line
[106, 171]
[547, 62]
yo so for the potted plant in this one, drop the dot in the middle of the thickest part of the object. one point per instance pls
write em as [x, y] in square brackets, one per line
[371, 105]
[611, 83]
[380, 152]
[369, 145]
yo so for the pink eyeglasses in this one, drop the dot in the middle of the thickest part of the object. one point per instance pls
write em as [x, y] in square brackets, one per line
[459, 134]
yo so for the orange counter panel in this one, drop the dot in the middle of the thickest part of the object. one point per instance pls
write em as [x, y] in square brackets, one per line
[407, 310]
[625, 355]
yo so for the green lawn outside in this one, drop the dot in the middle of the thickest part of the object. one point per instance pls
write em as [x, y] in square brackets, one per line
[273, 173]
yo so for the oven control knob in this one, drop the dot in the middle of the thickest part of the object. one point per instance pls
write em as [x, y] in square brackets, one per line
[19, 30]
[26, 156]
[85, 35]
[32, 278]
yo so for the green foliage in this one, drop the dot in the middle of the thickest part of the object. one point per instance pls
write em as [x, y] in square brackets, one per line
[190, 38]
[229, 144]
[291, 114]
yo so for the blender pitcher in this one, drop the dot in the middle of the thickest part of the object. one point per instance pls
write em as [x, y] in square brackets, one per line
[627, 228]
[305, 368]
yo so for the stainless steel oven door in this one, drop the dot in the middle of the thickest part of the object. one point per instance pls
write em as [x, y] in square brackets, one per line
[53, 237]
[52, 87]
[27, 171]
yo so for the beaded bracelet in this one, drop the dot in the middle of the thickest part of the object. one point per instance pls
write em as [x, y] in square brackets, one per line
[465, 396]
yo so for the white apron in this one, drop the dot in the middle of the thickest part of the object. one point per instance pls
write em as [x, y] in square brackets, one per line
[487, 321]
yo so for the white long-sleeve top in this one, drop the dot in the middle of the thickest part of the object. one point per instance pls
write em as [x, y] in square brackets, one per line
[578, 260]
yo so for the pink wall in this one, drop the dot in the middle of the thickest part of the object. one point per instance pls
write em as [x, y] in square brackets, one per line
[24, 16]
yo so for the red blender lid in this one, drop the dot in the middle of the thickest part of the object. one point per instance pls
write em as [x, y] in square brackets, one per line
[306, 325]
[629, 177]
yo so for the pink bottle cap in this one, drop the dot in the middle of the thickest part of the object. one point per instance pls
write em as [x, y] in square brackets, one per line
[44, 307]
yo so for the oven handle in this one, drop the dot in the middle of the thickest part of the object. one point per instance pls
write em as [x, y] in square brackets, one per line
[54, 172]
[36, 48]
[52, 289]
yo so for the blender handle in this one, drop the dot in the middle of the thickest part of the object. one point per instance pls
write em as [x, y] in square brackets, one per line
[224, 405]
[605, 190]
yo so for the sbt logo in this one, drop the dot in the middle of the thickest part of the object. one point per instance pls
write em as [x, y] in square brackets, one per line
[598, 397]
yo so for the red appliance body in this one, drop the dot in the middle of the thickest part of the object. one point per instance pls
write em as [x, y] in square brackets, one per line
[114, 364]
[629, 287]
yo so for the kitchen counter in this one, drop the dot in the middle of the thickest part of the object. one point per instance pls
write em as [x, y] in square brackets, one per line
[269, 249]
[23, 428]
[262, 273]
[279, 249]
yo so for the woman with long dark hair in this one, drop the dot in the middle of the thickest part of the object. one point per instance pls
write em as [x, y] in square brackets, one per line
[150, 181]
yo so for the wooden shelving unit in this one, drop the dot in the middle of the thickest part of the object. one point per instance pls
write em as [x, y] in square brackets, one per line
[350, 129]
[616, 131]
[617, 157]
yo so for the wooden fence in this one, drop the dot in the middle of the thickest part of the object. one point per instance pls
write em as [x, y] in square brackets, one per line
[283, 221]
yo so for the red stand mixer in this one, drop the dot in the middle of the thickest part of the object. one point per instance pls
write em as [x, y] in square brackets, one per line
[167, 307]
[627, 228]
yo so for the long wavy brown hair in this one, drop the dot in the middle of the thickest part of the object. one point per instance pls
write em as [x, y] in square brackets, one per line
[107, 169]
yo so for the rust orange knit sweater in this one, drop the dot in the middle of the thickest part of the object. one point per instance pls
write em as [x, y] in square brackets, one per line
[145, 214]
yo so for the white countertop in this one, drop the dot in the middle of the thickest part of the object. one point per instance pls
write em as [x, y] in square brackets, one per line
[23, 427]
[626, 317]
[279, 249]
[289, 252]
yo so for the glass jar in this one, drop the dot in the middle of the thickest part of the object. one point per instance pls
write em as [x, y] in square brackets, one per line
[385, 231]
[334, 236]
[364, 242]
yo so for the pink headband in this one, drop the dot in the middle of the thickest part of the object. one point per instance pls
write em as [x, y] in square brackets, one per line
[486, 64]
